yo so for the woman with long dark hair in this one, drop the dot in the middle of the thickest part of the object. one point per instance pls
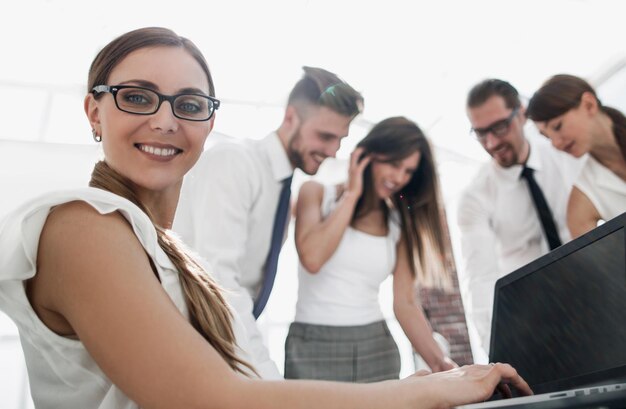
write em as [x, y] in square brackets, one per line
[567, 110]
[385, 220]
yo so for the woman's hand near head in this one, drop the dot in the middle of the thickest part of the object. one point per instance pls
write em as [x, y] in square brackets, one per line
[357, 165]
[318, 237]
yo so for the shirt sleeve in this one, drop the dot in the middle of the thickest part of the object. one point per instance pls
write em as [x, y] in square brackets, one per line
[213, 216]
[252, 342]
[478, 247]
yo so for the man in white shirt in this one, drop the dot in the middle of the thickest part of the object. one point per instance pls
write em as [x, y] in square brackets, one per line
[229, 200]
[500, 223]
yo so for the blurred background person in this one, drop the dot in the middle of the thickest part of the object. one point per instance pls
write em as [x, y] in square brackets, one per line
[386, 219]
[567, 110]
[513, 210]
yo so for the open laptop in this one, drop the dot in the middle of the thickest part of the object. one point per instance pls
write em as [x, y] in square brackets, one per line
[561, 322]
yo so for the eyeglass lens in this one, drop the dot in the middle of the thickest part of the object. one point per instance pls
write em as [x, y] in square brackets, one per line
[143, 101]
[499, 128]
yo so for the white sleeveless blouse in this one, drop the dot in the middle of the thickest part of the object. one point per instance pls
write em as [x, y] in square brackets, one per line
[605, 189]
[345, 290]
[62, 373]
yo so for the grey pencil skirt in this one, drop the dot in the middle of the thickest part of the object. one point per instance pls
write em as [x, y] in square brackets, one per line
[363, 353]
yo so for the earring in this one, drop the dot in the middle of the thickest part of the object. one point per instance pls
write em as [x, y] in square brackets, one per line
[96, 137]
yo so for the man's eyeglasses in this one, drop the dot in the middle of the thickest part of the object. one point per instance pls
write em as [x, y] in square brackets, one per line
[144, 101]
[498, 128]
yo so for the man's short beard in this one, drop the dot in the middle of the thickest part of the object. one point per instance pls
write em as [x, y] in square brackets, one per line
[296, 159]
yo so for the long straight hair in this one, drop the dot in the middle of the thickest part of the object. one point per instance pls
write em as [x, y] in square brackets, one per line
[563, 92]
[209, 312]
[418, 203]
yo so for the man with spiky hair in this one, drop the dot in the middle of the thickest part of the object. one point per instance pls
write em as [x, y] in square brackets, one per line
[234, 204]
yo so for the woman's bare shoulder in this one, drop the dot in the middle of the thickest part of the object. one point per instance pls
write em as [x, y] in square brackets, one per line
[79, 250]
[77, 241]
[78, 225]
[311, 188]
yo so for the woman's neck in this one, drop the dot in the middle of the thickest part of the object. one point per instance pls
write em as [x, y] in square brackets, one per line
[604, 147]
[161, 204]
[371, 203]
[373, 221]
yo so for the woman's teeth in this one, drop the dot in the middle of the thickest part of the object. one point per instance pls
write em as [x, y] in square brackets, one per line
[158, 151]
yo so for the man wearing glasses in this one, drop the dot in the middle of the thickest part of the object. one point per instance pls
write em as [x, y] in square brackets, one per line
[234, 205]
[514, 209]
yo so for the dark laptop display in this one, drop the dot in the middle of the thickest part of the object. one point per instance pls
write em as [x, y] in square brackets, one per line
[561, 320]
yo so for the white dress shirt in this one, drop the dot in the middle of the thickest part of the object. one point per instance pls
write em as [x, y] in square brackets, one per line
[226, 213]
[500, 227]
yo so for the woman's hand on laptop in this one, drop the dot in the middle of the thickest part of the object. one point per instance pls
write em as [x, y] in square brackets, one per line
[474, 383]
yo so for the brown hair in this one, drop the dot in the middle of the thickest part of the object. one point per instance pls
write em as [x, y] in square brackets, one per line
[319, 87]
[485, 89]
[563, 92]
[418, 203]
[125, 44]
[209, 313]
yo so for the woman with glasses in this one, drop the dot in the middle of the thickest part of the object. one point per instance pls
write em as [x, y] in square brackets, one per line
[567, 110]
[112, 309]
[385, 220]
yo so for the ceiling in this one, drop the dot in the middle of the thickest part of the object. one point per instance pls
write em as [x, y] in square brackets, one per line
[410, 58]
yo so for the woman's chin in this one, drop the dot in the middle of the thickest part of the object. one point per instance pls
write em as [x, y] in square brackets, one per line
[384, 194]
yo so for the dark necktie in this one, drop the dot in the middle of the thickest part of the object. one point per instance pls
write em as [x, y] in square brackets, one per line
[271, 263]
[545, 215]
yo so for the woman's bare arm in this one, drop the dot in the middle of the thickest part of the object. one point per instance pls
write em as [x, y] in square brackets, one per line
[317, 238]
[94, 273]
[582, 215]
[411, 317]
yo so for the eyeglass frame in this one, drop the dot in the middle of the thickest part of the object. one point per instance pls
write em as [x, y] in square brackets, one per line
[113, 89]
[481, 133]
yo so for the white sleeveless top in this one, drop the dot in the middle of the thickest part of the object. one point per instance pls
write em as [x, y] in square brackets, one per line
[605, 189]
[345, 290]
[62, 373]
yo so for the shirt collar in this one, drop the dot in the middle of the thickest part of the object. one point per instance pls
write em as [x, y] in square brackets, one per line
[533, 160]
[514, 172]
[277, 156]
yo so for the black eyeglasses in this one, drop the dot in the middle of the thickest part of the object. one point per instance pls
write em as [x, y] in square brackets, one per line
[498, 128]
[145, 101]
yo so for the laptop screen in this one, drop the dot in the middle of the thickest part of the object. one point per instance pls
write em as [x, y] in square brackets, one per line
[561, 320]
